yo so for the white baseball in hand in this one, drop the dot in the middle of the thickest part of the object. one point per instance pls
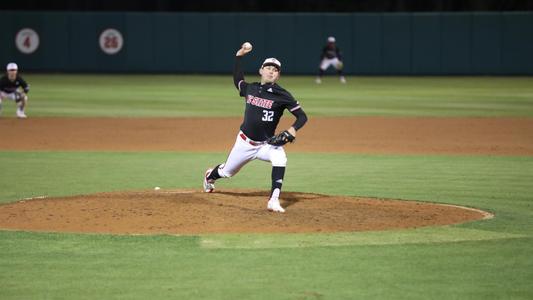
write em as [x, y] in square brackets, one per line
[247, 46]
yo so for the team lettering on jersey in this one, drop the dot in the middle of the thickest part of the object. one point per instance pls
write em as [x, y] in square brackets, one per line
[264, 103]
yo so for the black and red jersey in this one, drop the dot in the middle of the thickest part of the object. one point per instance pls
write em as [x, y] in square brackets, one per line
[8, 86]
[331, 51]
[265, 105]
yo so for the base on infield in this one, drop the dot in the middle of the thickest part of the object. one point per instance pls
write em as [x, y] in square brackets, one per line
[226, 211]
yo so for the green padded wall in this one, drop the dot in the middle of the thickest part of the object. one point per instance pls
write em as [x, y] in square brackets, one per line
[372, 43]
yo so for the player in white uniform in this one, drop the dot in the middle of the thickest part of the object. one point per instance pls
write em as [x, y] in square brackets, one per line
[331, 56]
[265, 103]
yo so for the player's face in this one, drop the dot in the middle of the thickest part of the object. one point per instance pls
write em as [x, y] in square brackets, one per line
[12, 74]
[269, 74]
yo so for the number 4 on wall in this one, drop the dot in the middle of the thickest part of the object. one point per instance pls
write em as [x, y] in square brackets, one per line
[27, 42]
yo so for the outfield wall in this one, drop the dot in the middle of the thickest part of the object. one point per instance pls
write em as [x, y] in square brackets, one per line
[372, 43]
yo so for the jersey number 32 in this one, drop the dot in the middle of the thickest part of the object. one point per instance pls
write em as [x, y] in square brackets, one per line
[268, 116]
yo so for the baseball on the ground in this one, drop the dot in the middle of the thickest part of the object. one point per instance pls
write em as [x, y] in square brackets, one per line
[247, 46]
[157, 188]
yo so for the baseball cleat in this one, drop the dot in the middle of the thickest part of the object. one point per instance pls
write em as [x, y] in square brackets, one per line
[318, 80]
[274, 206]
[209, 184]
[343, 80]
[21, 114]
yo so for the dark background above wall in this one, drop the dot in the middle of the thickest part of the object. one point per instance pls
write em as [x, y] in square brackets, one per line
[270, 6]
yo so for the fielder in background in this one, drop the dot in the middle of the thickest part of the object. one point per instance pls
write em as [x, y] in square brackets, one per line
[13, 87]
[331, 56]
[265, 102]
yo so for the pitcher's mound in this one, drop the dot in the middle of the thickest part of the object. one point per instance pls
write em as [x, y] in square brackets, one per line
[226, 211]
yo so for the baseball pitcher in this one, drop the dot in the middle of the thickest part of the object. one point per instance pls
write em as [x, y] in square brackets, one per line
[265, 103]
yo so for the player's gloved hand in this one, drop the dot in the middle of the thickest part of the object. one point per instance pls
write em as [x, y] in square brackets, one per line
[281, 139]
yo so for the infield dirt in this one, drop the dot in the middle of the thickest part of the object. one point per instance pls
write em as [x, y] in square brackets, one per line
[372, 135]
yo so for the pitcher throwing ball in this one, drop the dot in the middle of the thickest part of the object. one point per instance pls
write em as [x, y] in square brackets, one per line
[265, 102]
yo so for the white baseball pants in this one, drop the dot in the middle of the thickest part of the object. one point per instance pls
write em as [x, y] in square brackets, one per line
[327, 62]
[246, 150]
[11, 96]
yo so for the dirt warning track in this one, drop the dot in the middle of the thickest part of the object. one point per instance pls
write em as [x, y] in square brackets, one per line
[380, 135]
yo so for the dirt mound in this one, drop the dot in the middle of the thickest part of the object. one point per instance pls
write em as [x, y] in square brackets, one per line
[227, 211]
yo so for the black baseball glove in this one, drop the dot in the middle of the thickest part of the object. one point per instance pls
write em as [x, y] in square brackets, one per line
[281, 139]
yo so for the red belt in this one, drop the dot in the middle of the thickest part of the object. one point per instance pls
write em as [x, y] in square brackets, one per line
[249, 141]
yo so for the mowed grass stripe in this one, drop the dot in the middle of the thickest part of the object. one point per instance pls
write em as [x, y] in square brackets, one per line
[196, 95]
[445, 234]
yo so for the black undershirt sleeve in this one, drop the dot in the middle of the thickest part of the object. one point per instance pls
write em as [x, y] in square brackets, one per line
[301, 118]
[238, 75]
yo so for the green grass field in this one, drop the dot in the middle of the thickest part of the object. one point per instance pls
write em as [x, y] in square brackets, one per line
[175, 96]
[489, 259]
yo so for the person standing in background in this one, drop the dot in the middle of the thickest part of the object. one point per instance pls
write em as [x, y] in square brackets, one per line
[331, 56]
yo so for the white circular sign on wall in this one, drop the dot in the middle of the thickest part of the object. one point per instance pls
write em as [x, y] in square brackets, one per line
[111, 41]
[27, 40]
